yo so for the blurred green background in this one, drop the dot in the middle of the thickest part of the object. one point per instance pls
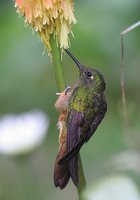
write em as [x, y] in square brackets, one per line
[27, 82]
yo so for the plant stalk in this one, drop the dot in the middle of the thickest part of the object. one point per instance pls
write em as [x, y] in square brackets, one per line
[57, 66]
[82, 180]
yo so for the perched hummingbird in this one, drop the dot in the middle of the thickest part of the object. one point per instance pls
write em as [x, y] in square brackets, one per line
[86, 108]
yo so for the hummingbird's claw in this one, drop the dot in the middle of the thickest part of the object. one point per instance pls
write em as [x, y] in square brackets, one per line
[68, 89]
[58, 93]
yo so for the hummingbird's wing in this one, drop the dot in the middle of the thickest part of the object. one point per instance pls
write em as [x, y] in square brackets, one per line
[73, 135]
[74, 131]
[82, 140]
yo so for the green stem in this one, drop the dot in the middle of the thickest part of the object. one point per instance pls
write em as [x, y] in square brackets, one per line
[60, 82]
[82, 180]
[57, 65]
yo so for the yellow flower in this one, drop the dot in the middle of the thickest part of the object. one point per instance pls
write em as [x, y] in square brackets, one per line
[49, 17]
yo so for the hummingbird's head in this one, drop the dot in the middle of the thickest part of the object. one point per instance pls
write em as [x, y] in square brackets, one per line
[89, 77]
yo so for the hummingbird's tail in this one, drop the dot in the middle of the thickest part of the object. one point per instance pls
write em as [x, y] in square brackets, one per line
[63, 172]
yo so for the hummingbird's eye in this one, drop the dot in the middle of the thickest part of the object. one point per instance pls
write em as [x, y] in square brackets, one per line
[89, 74]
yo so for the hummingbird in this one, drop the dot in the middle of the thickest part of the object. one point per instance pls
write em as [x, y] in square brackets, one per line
[86, 107]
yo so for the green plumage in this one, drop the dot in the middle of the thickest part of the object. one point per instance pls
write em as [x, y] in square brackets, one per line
[79, 99]
[87, 97]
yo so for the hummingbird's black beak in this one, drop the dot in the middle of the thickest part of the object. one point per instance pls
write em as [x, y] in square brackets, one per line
[74, 59]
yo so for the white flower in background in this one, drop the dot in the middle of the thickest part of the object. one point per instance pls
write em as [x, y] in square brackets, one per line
[125, 160]
[112, 188]
[22, 133]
